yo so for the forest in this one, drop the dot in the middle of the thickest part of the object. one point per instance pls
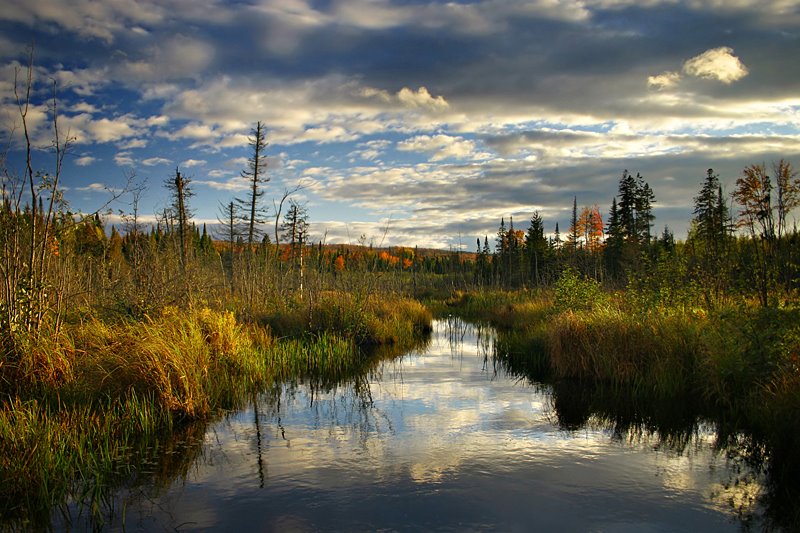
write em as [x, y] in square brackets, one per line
[108, 334]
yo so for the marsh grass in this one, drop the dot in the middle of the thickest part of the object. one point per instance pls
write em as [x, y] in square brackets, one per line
[80, 411]
[51, 450]
[657, 353]
[653, 372]
[188, 362]
[367, 321]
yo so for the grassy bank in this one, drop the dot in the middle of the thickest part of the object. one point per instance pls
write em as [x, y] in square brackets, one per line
[74, 412]
[740, 362]
[738, 365]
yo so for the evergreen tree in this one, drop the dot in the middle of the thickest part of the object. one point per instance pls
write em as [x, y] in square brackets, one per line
[626, 208]
[711, 218]
[630, 223]
[535, 247]
[644, 210]
[615, 241]
[574, 233]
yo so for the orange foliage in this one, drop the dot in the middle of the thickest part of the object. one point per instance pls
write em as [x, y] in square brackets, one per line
[390, 259]
[338, 264]
[53, 245]
[590, 227]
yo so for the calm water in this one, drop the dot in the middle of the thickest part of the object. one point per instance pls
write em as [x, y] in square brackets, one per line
[440, 439]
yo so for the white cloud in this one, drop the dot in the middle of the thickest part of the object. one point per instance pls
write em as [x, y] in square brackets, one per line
[132, 143]
[442, 147]
[123, 159]
[327, 134]
[175, 58]
[219, 173]
[153, 161]
[93, 187]
[718, 64]
[85, 161]
[108, 130]
[370, 150]
[236, 183]
[84, 107]
[189, 163]
[157, 120]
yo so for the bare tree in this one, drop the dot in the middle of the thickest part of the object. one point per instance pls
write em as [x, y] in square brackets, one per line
[295, 229]
[255, 174]
[230, 231]
[287, 193]
[30, 233]
[181, 191]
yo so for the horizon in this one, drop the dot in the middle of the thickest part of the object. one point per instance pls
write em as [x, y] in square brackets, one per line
[412, 123]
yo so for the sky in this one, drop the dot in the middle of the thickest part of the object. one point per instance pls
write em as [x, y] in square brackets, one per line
[405, 122]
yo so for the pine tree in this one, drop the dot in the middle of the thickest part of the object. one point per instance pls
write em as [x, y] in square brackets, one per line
[615, 240]
[535, 247]
[710, 213]
[644, 210]
[574, 233]
[626, 208]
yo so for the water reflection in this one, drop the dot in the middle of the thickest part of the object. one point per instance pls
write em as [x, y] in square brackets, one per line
[451, 436]
[448, 437]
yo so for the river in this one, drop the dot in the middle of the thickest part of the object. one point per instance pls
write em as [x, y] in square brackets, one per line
[443, 438]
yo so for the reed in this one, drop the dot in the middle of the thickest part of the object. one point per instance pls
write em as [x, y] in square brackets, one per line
[49, 451]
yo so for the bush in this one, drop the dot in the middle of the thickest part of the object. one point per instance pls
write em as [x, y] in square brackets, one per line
[576, 293]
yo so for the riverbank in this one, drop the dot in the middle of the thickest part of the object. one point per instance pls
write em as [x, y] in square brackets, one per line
[74, 411]
[739, 363]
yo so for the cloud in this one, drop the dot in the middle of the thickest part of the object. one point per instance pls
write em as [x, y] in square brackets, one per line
[219, 173]
[233, 184]
[93, 187]
[421, 98]
[502, 103]
[123, 159]
[442, 147]
[85, 161]
[717, 64]
[189, 163]
[370, 150]
[132, 143]
[666, 80]
[153, 161]
[108, 130]
[174, 58]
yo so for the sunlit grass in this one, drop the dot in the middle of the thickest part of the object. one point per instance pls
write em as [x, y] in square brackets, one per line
[81, 404]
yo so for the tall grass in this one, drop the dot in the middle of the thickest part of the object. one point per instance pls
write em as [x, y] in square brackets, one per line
[367, 321]
[82, 405]
[187, 362]
[50, 450]
[739, 365]
[659, 353]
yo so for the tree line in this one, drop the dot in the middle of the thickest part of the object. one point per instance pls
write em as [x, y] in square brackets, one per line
[742, 243]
